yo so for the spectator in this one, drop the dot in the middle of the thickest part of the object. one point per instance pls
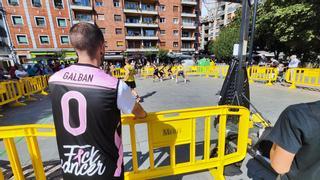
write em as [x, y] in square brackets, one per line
[12, 71]
[31, 71]
[294, 62]
[2, 75]
[20, 72]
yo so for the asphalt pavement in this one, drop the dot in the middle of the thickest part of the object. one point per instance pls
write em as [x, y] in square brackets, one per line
[158, 96]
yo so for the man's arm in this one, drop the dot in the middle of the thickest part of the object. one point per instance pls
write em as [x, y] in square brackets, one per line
[138, 111]
[281, 159]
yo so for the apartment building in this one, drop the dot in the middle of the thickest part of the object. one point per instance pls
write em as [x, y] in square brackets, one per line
[39, 28]
[221, 15]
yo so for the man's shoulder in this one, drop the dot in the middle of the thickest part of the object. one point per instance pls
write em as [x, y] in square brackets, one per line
[85, 76]
[299, 115]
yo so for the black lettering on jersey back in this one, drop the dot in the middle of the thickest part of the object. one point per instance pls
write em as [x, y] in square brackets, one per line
[78, 77]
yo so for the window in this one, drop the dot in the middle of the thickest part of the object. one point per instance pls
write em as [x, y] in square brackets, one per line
[117, 17]
[17, 20]
[116, 3]
[163, 32]
[22, 39]
[64, 39]
[62, 22]
[175, 20]
[36, 3]
[175, 8]
[103, 30]
[175, 44]
[175, 32]
[162, 44]
[162, 8]
[58, 4]
[99, 3]
[118, 31]
[100, 17]
[120, 43]
[44, 39]
[162, 20]
[40, 21]
[13, 2]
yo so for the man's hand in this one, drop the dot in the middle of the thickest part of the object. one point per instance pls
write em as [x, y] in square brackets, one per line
[138, 111]
[281, 159]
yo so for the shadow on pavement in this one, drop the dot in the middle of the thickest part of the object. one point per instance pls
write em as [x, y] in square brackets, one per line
[52, 170]
[32, 113]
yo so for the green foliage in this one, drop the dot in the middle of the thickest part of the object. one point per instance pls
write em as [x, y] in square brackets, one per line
[149, 54]
[222, 46]
[289, 26]
[162, 54]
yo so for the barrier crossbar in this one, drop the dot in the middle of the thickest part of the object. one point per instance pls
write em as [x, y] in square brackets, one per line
[303, 77]
[119, 73]
[265, 74]
[165, 129]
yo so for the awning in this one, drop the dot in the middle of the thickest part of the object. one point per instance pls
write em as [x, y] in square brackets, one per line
[113, 57]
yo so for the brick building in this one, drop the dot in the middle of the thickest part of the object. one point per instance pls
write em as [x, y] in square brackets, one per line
[39, 28]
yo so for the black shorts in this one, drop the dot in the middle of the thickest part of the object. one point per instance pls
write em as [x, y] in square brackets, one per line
[180, 73]
[131, 84]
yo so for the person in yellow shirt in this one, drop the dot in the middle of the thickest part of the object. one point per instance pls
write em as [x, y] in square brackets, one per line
[180, 72]
[129, 78]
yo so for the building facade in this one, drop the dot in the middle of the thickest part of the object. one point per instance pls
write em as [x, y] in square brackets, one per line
[221, 15]
[39, 28]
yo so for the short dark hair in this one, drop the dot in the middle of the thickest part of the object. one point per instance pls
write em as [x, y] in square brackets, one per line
[86, 37]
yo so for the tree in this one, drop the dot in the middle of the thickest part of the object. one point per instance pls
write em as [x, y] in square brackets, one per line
[163, 55]
[222, 46]
[289, 26]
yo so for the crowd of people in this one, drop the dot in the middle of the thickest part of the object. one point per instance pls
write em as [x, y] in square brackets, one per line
[19, 71]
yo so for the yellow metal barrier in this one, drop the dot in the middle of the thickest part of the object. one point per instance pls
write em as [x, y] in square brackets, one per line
[165, 129]
[198, 70]
[147, 72]
[30, 133]
[265, 74]
[219, 71]
[303, 77]
[10, 91]
[119, 73]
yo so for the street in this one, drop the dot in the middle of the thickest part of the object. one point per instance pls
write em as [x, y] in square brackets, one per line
[158, 96]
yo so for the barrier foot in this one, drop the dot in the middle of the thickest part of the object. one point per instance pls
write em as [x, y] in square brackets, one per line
[293, 86]
[269, 84]
[44, 93]
[217, 173]
[18, 104]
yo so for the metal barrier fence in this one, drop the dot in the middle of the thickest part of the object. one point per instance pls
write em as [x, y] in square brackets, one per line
[265, 74]
[119, 73]
[165, 129]
[147, 72]
[303, 77]
[219, 71]
[12, 91]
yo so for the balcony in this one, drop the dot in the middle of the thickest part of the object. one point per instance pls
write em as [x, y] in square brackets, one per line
[189, 2]
[138, 10]
[189, 26]
[81, 5]
[187, 14]
[188, 49]
[141, 37]
[76, 21]
[188, 38]
[150, 49]
[141, 24]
